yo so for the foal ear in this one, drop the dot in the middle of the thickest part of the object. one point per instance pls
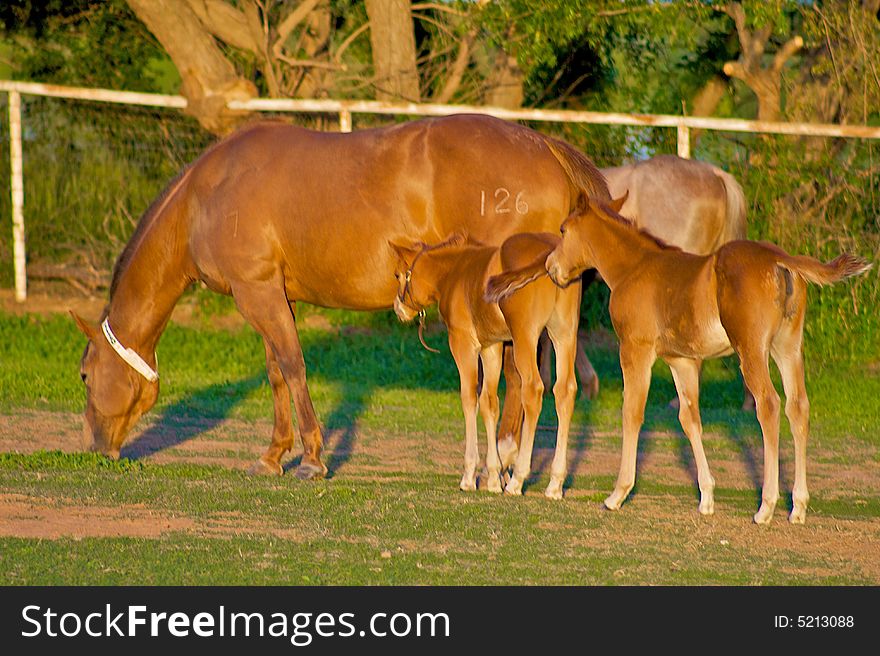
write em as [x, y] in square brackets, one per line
[405, 253]
[87, 330]
[618, 203]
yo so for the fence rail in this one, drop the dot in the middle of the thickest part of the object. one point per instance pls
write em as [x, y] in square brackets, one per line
[346, 108]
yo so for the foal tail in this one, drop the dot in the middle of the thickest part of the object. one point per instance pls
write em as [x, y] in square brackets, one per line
[812, 270]
[506, 283]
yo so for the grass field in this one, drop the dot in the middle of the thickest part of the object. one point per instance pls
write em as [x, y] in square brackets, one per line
[179, 507]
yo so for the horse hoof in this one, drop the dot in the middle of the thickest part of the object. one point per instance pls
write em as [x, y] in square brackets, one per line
[468, 485]
[263, 468]
[707, 508]
[553, 492]
[763, 516]
[309, 471]
[798, 516]
[513, 487]
[612, 503]
[507, 452]
[493, 483]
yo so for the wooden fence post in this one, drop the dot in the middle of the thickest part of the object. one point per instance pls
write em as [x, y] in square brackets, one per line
[17, 180]
[684, 141]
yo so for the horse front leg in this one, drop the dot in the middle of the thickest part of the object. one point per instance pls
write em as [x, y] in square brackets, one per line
[635, 361]
[266, 308]
[282, 433]
[466, 355]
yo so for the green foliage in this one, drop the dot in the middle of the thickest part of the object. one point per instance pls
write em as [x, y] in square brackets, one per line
[85, 43]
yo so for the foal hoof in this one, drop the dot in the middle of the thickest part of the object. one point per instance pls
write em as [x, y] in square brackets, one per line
[263, 468]
[513, 487]
[554, 490]
[493, 483]
[309, 471]
[507, 452]
[798, 516]
[764, 514]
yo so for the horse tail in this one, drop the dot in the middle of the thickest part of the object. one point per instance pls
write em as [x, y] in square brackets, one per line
[506, 283]
[583, 175]
[812, 270]
[735, 226]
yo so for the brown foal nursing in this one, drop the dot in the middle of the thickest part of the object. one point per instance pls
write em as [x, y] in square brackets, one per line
[746, 297]
[453, 274]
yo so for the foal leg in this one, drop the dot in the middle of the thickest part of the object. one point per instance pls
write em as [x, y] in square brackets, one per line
[466, 354]
[491, 358]
[282, 434]
[635, 361]
[564, 392]
[266, 308]
[686, 374]
[511, 414]
[545, 346]
[525, 347]
[756, 372]
[790, 360]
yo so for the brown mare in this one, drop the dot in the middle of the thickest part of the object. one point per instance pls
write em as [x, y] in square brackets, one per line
[747, 297]
[275, 214]
[454, 274]
[686, 203]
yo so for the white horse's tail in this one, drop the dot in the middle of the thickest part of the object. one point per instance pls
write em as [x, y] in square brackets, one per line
[735, 226]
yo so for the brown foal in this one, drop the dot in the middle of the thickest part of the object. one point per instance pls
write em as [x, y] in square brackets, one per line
[747, 297]
[453, 274]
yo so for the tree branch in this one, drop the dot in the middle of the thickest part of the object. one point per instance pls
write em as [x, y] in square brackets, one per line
[786, 51]
[225, 22]
[289, 23]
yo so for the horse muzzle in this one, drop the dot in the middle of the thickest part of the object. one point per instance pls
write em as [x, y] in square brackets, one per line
[555, 271]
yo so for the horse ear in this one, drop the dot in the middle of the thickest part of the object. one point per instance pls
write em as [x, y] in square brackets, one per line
[618, 203]
[582, 202]
[87, 330]
[405, 253]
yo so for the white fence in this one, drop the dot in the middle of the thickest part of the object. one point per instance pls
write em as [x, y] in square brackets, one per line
[346, 108]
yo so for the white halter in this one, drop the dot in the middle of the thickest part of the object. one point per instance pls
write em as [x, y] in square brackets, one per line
[133, 359]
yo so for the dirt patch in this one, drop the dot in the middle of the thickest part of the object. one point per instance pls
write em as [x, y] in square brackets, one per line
[45, 518]
[26, 517]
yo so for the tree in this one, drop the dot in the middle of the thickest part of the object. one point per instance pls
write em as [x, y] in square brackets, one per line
[394, 50]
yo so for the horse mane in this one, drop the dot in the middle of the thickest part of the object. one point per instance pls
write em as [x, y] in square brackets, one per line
[156, 207]
[630, 224]
[582, 173]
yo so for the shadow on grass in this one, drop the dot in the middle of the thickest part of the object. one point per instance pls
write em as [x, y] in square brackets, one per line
[190, 416]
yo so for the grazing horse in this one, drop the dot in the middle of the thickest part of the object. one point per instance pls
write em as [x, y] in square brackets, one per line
[747, 297]
[686, 203]
[453, 275]
[275, 214]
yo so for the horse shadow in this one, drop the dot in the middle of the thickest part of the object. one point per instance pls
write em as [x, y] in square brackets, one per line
[193, 414]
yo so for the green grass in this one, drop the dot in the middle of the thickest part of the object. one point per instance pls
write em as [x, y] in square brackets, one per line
[336, 531]
[377, 377]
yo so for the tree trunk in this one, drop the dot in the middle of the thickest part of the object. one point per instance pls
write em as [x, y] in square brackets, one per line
[209, 79]
[765, 82]
[505, 82]
[394, 50]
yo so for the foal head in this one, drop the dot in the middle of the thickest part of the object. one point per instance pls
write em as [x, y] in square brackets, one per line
[416, 277]
[574, 254]
[116, 395]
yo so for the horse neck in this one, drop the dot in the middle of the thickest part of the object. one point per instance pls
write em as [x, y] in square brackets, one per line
[149, 284]
[446, 265]
[616, 248]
